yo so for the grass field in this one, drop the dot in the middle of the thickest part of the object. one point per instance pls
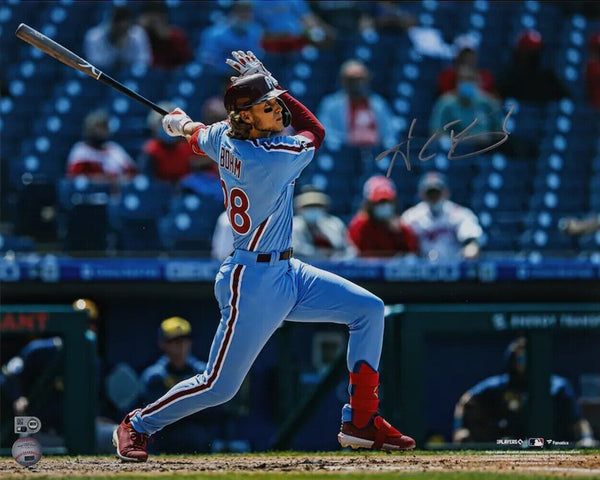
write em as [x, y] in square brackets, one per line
[414, 465]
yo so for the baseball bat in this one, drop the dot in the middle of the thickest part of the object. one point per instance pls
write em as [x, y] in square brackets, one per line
[66, 56]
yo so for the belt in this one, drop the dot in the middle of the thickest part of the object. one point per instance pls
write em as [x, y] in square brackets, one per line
[266, 257]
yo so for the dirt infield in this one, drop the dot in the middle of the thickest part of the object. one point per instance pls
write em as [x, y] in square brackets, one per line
[559, 464]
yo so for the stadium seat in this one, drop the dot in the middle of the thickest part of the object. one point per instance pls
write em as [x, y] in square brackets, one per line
[83, 214]
[190, 223]
[141, 203]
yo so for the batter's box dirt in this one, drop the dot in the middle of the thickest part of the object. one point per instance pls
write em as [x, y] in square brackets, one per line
[561, 464]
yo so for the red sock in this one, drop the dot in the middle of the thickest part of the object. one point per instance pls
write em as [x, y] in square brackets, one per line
[364, 400]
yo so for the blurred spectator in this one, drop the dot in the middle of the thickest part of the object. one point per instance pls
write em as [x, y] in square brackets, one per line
[592, 70]
[169, 44]
[222, 239]
[239, 31]
[117, 42]
[289, 25]
[496, 407]
[176, 364]
[574, 226]
[465, 47]
[354, 115]
[32, 382]
[387, 17]
[164, 157]
[96, 156]
[346, 18]
[524, 78]
[467, 103]
[316, 233]
[377, 230]
[444, 229]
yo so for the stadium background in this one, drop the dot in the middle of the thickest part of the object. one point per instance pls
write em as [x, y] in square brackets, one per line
[518, 201]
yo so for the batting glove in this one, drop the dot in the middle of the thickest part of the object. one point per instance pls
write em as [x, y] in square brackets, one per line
[247, 64]
[174, 123]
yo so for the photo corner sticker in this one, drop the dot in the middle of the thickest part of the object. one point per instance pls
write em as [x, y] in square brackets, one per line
[27, 425]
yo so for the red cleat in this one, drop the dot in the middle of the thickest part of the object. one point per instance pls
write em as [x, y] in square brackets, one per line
[377, 435]
[131, 445]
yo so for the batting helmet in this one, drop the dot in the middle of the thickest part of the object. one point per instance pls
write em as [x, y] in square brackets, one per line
[250, 90]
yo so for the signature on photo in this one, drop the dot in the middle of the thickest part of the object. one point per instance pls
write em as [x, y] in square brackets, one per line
[455, 140]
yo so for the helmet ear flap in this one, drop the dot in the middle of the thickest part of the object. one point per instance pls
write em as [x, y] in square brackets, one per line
[285, 112]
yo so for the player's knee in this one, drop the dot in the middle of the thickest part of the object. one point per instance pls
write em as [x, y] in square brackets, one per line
[376, 307]
[225, 392]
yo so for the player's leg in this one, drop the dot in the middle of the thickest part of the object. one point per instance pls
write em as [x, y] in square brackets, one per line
[326, 297]
[253, 302]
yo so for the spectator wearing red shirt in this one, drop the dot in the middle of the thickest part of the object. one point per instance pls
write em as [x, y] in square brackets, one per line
[169, 44]
[465, 46]
[376, 230]
[163, 157]
[592, 70]
[96, 156]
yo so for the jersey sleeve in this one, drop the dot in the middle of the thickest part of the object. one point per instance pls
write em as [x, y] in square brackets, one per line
[205, 140]
[285, 157]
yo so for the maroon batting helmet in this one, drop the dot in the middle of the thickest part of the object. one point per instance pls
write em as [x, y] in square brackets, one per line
[250, 90]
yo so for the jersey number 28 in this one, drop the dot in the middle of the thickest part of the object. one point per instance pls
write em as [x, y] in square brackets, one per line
[238, 213]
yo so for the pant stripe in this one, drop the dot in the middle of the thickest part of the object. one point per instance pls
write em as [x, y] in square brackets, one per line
[234, 302]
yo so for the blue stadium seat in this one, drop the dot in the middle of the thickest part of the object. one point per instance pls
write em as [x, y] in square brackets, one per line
[16, 243]
[142, 202]
[83, 214]
[190, 223]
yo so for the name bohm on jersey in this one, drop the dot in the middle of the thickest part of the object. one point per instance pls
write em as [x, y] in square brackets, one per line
[230, 162]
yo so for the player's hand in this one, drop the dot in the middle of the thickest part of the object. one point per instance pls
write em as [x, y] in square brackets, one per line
[247, 64]
[174, 123]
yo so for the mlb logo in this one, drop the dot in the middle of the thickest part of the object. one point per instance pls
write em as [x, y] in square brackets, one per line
[536, 442]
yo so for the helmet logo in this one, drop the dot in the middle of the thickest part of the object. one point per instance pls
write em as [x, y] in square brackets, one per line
[269, 83]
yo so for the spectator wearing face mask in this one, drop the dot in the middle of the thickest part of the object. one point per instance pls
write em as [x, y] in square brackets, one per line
[354, 115]
[117, 42]
[465, 104]
[316, 233]
[377, 230]
[96, 156]
[169, 43]
[445, 230]
[239, 31]
[163, 157]
[465, 48]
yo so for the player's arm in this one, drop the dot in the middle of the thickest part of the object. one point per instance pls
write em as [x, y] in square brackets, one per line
[304, 122]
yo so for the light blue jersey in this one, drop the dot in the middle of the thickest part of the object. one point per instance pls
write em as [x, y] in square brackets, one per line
[260, 213]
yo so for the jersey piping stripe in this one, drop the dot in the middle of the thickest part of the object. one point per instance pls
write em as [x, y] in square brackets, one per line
[258, 234]
[236, 280]
[283, 147]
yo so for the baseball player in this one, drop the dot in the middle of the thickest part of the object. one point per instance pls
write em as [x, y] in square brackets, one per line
[260, 284]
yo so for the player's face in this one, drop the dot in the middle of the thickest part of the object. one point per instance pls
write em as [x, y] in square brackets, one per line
[267, 116]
